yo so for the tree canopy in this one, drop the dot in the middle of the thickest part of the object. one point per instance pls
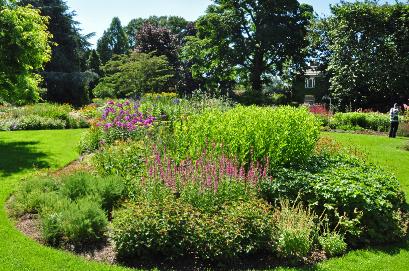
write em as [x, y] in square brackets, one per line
[131, 76]
[114, 41]
[366, 48]
[249, 39]
[70, 46]
[24, 49]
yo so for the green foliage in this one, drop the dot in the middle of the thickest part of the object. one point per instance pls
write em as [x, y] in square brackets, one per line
[247, 35]
[73, 88]
[294, 231]
[374, 72]
[210, 201]
[285, 135]
[173, 229]
[40, 117]
[70, 46]
[333, 244]
[368, 204]
[24, 49]
[151, 228]
[91, 140]
[78, 223]
[239, 229]
[114, 41]
[134, 75]
[94, 62]
[73, 210]
[125, 159]
[372, 121]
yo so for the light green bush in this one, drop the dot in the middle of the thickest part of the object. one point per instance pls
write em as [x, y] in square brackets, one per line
[285, 135]
[333, 244]
[372, 121]
[294, 231]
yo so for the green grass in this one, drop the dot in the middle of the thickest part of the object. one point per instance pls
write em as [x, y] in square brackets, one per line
[22, 152]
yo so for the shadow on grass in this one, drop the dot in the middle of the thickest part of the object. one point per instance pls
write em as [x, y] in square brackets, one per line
[16, 157]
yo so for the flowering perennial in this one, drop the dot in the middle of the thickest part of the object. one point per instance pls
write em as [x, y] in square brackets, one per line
[205, 172]
[125, 116]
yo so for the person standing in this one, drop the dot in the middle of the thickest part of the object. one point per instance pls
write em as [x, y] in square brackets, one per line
[394, 114]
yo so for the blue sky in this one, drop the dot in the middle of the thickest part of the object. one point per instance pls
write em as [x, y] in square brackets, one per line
[96, 15]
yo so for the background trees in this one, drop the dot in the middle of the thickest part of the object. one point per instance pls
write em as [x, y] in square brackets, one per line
[64, 75]
[250, 40]
[24, 49]
[131, 76]
[366, 48]
[114, 41]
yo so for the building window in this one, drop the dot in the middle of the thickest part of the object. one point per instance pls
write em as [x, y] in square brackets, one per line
[310, 82]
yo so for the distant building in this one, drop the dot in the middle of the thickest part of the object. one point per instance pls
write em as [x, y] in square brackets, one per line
[311, 86]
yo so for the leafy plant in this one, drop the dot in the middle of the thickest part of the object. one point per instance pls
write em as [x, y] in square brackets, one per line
[294, 230]
[285, 135]
[333, 244]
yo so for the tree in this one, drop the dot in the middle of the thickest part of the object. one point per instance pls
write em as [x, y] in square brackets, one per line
[250, 40]
[94, 62]
[178, 26]
[159, 41]
[24, 49]
[69, 52]
[114, 41]
[131, 76]
[367, 49]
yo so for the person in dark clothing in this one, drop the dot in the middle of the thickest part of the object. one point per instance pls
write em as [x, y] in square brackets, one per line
[394, 114]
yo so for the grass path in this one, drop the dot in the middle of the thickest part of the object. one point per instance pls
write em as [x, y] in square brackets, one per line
[22, 152]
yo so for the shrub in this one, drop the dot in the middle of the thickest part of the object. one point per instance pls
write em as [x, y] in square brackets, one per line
[286, 135]
[239, 229]
[125, 159]
[77, 186]
[73, 210]
[31, 195]
[151, 228]
[294, 231]
[172, 229]
[372, 121]
[333, 244]
[369, 201]
[77, 223]
[40, 116]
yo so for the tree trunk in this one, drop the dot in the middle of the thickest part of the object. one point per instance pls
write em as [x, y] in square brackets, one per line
[257, 71]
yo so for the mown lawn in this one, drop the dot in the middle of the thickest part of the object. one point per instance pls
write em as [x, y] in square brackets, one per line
[21, 153]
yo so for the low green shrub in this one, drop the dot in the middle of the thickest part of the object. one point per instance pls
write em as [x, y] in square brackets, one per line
[294, 231]
[172, 229]
[31, 195]
[76, 223]
[73, 210]
[151, 228]
[368, 202]
[372, 121]
[285, 135]
[126, 159]
[238, 229]
[39, 117]
[333, 244]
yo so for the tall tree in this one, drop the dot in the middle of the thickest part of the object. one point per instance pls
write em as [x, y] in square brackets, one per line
[69, 52]
[114, 41]
[178, 26]
[94, 62]
[367, 53]
[133, 75]
[251, 39]
[24, 49]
